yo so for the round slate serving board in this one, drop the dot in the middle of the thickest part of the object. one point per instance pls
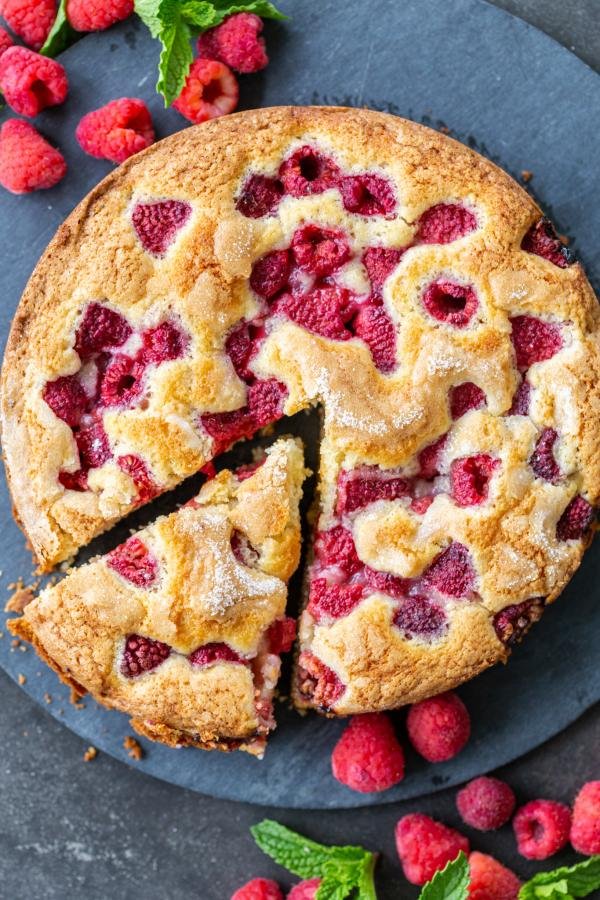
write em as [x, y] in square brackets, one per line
[505, 89]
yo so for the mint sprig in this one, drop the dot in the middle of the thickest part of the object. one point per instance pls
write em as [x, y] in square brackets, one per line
[344, 871]
[566, 883]
[61, 35]
[449, 883]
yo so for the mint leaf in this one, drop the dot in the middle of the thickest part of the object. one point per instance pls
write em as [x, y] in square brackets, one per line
[200, 14]
[261, 8]
[332, 889]
[450, 883]
[292, 851]
[579, 880]
[149, 13]
[61, 35]
[175, 60]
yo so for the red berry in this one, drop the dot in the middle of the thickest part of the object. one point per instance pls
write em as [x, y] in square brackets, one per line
[464, 397]
[100, 329]
[386, 583]
[116, 131]
[93, 446]
[490, 880]
[373, 325]
[451, 572]
[142, 654]
[470, 477]
[576, 520]
[265, 401]
[123, 381]
[534, 340]
[241, 347]
[31, 20]
[156, 224]
[162, 343]
[236, 42]
[520, 404]
[514, 621]
[305, 890]
[31, 82]
[323, 310]
[542, 460]
[543, 240]
[368, 195]
[368, 484]
[585, 829]
[439, 727]
[320, 251]
[96, 15]
[209, 654]
[425, 846]
[66, 398]
[368, 757]
[259, 196]
[5, 40]
[258, 889]
[27, 161]
[332, 601]
[444, 223]
[137, 469]
[307, 171]
[210, 90]
[542, 828]
[281, 635]
[429, 458]
[270, 274]
[73, 481]
[336, 548]
[486, 803]
[380, 262]
[317, 682]
[420, 617]
[452, 303]
[133, 561]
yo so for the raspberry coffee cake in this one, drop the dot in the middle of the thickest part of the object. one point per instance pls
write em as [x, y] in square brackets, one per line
[182, 626]
[282, 259]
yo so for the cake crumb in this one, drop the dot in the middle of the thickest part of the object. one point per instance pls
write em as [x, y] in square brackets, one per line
[134, 749]
[48, 698]
[15, 643]
[21, 596]
[21, 679]
[526, 175]
[90, 754]
[564, 239]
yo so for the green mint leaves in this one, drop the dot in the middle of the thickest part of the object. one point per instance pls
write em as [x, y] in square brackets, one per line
[344, 871]
[61, 34]
[450, 883]
[566, 883]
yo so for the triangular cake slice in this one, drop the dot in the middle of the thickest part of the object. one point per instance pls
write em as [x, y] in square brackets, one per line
[182, 626]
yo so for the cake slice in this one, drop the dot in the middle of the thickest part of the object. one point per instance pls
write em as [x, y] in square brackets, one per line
[182, 626]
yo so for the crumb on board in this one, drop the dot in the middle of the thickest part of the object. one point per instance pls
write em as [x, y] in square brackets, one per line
[564, 239]
[526, 175]
[134, 749]
[21, 679]
[15, 643]
[48, 698]
[90, 754]
[21, 595]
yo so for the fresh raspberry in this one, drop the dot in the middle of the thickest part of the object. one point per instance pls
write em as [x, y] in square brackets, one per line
[336, 548]
[66, 398]
[116, 131]
[156, 224]
[305, 890]
[368, 195]
[31, 20]
[332, 601]
[380, 262]
[513, 622]
[270, 274]
[162, 343]
[576, 520]
[452, 572]
[542, 460]
[31, 82]
[142, 654]
[27, 161]
[5, 40]
[425, 846]
[368, 758]
[534, 340]
[543, 240]
[137, 469]
[96, 15]
[490, 880]
[123, 381]
[439, 727]
[386, 583]
[100, 329]
[209, 654]
[243, 549]
[281, 635]
[133, 561]
[470, 478]
[210, 90]
[429, 458]
[542, 828]
[486, 803]
[260, 196]
[464, 397]
[307, 171]
[585, 830]
[521, 400]
[368, 484]
[420, 617]
[93, 446]
[318, 682]
[444, 223]
[237, 43]
[452, 303]
[320, 251]
[259, 889]
[373, 325]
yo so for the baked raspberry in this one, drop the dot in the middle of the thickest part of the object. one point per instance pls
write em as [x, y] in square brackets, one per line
[210, 90]
[542, 460]
[425, 846]
[452, 572]
[66, 398]
[486, 803]
[156, 224]
[335, 548]
[96, 15]
[133, 561]
[380, 262]
[373, 325]
[31, 20]
[385, 583]
[270, 274]
[209, 654]
[74, 481]
[576, 520]
[137, 469]
[93, 446]
[281, 635]
[258, 889]
[429, 458]
[319, 251]
[449, 302]
[5, 40]
[248, 470]
[464, 397]
[368, 484]
[420, 505]
[513, 622]
[237, 43]
[332, 601]
[439, 727]
[444, 223]
[534, 340]
[307, 171]
[27, 161]
[368, 195]
[368, 757]
[543, 240]
[542, 828]
[490, 880]
[317, 682]
[142, 654]
[162, 343]
[228, 427]
[585, 829]
[123, 381]
[100, 329]
[420, 617]
[470, 478]
[116, 131]
[243, 550]
[324, 310]
[265, 401]
[521, 400]
[31, 82]
[305, 890]
[240, 347]
[259, 196]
